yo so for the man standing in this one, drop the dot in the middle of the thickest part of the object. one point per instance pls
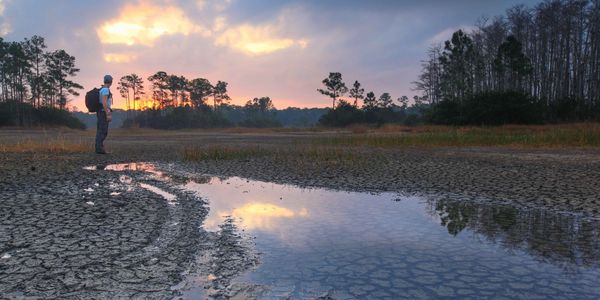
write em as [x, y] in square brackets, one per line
[104, 114]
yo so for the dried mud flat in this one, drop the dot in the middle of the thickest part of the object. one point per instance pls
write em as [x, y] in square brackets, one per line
[66, 232]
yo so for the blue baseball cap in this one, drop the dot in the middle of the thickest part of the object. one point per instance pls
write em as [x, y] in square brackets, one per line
[107, 79]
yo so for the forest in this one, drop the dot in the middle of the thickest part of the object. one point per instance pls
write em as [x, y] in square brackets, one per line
[35, 84]
[532, 65]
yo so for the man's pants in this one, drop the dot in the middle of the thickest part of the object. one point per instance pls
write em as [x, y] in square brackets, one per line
[101, 130]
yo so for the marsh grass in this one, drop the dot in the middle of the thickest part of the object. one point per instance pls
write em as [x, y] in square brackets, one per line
[222, 152]
[58, 146]
[303, 154]
[572, 135]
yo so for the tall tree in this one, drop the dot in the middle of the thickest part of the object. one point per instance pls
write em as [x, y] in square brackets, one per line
[200, 90]
[176, 86]
[136, 84]
[160, 84]
[34, 49]
[123, 88]
[430, 77]
[457, 66]
[60, 67]
[370, 101]
[511, 64]
[357, 92]
[220, 96]
[385, 101]
[335, 87]
[403, 102]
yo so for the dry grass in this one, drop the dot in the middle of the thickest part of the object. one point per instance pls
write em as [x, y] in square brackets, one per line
[572, 135]
[299, 153]
[55, 147]
[244, 130]
[221, 152]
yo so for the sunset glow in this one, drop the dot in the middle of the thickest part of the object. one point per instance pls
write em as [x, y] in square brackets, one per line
[144, 23]
[256, 40]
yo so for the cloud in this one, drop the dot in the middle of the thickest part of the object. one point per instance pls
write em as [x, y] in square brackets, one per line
[144, 23]
[5, 27]
[221, 5]
[200, 4]
[219, 24]
[256, 40]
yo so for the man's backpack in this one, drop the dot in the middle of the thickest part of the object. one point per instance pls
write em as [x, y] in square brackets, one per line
[92, 100]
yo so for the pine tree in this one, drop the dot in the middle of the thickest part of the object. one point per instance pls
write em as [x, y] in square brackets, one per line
[335, 87]
[357, 92]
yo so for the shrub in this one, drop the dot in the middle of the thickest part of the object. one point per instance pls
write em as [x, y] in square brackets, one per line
[343, 115]
[493, 108]
[22, 114]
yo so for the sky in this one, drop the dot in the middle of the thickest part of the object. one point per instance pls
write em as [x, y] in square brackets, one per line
[277, 48]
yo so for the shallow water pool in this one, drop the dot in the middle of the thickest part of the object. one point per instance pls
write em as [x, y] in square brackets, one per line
[316, 242]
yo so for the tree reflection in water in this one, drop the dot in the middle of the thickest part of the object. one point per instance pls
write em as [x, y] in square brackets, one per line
[560, 238]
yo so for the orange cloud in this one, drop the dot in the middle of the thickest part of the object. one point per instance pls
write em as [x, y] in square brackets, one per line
[256, 40]
[145, 22]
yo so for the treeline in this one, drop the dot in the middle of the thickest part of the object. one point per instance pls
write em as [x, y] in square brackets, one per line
[170, 91]
[258, 112]
[374, 110]
[35, 84]
[540, 63]
[177, 102]
[235, 115]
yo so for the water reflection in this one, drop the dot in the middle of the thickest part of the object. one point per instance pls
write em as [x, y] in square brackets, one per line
[138, 166]
[263, 215]
[557, 237]
[355, 245]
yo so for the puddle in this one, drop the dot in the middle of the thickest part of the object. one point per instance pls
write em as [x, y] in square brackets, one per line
[318, 243]
[323, 243]
[145, 167]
